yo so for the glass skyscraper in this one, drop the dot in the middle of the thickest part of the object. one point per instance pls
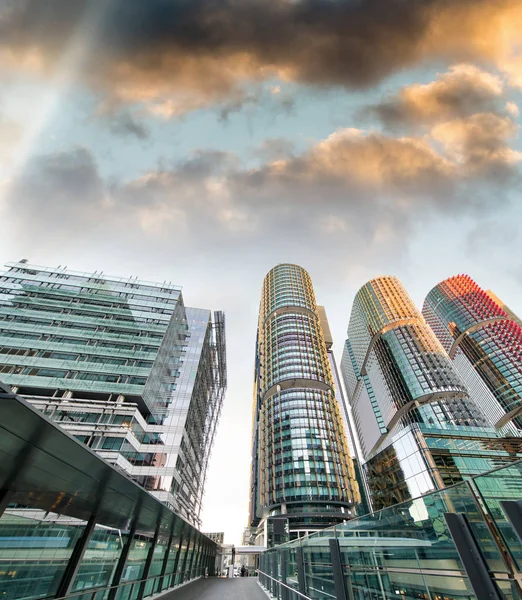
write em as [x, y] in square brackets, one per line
[418, 426]
[123, 366]
[484, 339]
[302, 473]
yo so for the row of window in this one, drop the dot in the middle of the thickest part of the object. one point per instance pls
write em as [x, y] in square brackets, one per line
[86, 329]
[68, 318]
[76, 375]
[105, 360]
[77, 341]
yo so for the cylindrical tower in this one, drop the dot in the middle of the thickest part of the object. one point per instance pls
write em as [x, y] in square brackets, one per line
[410, 372]
[485, 341]
[304, 468]
[419, 428]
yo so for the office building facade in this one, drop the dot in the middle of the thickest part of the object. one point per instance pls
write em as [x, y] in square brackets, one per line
[302, 474]
[484, 339]
[418, 427]
[123, 366]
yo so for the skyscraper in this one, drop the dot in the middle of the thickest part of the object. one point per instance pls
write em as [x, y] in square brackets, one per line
[484, 339]
[123, 366]
[302, 473]
[419, 429]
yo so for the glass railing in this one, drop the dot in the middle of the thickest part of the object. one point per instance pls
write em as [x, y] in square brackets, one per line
[142, 588]
[455, 544]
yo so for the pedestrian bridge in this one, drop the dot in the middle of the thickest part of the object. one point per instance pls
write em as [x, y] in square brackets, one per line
[74, 528]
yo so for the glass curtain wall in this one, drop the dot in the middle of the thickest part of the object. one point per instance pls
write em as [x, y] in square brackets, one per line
[303, 476]
[484, 339]
[419, 426]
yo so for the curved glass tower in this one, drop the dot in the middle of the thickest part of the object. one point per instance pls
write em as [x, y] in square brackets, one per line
[395, 353]
[419, 428]
[484, 338]
[301, 468]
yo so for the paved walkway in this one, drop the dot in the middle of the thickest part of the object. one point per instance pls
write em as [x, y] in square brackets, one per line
[215, 588]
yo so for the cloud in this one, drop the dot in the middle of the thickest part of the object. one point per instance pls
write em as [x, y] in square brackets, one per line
[463, 91]
[512, 109]
[355, 186]
[56, 189]
[10, 134]
[178, 56]
[480, 143]
[125, 124]
[274, 149]
[276, 103]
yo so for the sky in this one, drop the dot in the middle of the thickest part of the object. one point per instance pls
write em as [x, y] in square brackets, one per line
[203, 142]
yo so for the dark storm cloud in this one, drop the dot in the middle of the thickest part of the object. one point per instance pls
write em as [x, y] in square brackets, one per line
[325, 40]
[201, 50]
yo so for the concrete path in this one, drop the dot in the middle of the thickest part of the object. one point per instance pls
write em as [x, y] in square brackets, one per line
[215, 588]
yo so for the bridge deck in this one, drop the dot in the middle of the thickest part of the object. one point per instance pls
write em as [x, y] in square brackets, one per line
[215, 588]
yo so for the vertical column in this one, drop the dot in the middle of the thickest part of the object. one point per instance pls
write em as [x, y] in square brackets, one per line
[198, 558]
[167, 553]
[118, 572]
[513, 512]
[193, 555]
[208, 560]
[284, 590]
[342, 591]
[474, 562]
[182, 535]
[150, 556]
[76, 558]
[204, 559]
[275, 588]
[301, 571]
[206, 565]
[184, 565]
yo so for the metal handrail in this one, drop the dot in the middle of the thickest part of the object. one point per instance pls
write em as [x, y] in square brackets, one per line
[284, 585]
[96, 590]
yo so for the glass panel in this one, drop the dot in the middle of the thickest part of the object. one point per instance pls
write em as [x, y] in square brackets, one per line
[182, 561]
[292, 578]
[193, 561]
[414, 534]
[503, 484]
[148, 588]
[136, 559]
[318, 567]
[174, 547]
[34, 549]
[407, 550]
[157, 557]
[100, 558]
[124, 592]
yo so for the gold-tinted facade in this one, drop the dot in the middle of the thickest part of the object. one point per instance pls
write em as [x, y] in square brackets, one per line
[304, 468]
